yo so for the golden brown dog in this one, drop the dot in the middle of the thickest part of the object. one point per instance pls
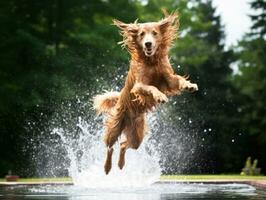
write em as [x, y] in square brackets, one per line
[149, 81]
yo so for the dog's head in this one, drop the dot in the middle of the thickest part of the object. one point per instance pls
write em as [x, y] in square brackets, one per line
[149, 38]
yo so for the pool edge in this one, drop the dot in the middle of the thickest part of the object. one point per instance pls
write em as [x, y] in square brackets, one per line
[261, 184]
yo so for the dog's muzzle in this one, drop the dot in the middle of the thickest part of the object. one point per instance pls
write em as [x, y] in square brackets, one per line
[148, 49]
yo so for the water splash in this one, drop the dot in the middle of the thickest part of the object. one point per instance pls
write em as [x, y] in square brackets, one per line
[72, 145]
[86, 154]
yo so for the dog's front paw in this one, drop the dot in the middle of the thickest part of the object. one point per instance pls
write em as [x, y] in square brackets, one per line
[140, 99]
[160, 97]
[191, 87]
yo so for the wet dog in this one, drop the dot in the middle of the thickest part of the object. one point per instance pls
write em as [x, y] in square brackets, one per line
[149, 81]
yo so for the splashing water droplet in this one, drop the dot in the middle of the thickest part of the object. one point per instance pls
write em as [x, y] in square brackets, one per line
[75, 144]
[87, 155]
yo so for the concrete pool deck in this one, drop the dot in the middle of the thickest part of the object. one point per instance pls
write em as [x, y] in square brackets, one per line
[261, 184]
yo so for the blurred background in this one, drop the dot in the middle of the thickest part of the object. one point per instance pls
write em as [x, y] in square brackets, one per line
[54, 52]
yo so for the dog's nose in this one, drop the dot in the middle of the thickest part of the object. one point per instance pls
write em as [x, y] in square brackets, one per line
[148, 44]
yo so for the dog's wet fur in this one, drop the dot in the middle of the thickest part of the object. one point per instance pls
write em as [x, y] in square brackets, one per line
[149, 81]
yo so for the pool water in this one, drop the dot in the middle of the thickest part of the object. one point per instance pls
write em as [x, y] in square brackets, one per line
[160, 191]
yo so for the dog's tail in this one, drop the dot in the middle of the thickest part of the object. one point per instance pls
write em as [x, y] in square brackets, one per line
[105, 102]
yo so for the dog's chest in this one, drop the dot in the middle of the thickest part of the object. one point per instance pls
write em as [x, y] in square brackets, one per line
[154, 76]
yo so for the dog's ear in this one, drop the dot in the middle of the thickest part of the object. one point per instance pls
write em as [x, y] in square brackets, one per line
[120, 24]
[127, 28]
[169, 20]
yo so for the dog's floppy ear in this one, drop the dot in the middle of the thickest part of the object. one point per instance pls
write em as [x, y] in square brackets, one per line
[120, 24]
[169, 20]
[129, 28]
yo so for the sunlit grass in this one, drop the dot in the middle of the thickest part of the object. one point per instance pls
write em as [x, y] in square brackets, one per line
[211, 177]
[163, 177]
[45, 180]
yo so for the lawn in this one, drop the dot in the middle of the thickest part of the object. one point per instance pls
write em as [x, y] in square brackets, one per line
[211, 177]
[46, 180]
[163, 177]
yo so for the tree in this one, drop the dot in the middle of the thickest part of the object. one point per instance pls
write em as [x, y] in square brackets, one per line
[202, 55]
[51, 52]
[250, 82]
[55, 50]
[200, 119]
[259, 20]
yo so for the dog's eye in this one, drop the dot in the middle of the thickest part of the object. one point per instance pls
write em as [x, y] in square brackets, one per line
[154, 33]
[142, 34]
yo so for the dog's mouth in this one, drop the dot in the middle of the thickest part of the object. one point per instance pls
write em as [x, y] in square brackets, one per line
[148, 52]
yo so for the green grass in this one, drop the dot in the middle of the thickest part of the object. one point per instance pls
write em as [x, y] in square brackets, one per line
[211, 177]
[48, 180]
[164, 177]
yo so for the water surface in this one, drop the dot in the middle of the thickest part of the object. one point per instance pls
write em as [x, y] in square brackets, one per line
[164, 191]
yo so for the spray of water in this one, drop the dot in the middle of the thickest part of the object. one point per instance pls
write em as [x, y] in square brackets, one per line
[69, 143]
[86, 154]
[72, 145]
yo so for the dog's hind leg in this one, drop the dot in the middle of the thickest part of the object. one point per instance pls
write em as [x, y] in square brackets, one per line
[136, 132]
[123, 148]
[108, 161]
[111, 137]
[113, 131]
[114, 127]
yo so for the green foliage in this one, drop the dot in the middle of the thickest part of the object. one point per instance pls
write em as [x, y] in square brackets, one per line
[55, 50]
[200, 53]
[250, 83]
[51, 51]
[259, 19]
[250, 169]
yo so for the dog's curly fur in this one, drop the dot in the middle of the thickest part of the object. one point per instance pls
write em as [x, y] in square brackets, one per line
[149, 81]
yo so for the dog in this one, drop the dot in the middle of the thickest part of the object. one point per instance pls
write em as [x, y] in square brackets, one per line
[149, 81]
